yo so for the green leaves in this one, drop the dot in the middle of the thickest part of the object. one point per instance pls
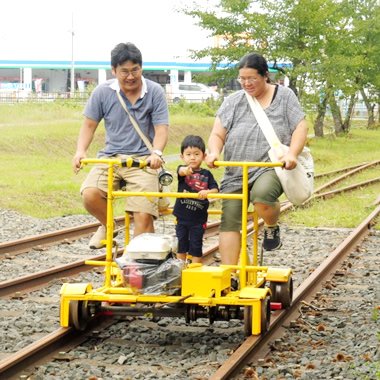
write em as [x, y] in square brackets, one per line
[326, 41]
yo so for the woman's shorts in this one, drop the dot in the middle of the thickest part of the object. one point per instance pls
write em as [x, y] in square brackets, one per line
[135, 179]
[266, 189]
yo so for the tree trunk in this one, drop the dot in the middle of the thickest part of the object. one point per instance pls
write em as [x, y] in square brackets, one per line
[347, 119]
[293, 84]
[336, 114]
[318, 124]
[370, 109]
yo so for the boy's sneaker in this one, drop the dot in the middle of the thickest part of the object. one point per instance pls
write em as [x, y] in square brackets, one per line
[272, 239]
[98, 239]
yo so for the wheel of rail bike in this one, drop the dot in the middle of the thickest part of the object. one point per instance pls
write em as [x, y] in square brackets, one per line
[79, 315]
[282, 292]
[264, 313]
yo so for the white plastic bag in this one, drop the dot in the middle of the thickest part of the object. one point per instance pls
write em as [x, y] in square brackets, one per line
[298, 183]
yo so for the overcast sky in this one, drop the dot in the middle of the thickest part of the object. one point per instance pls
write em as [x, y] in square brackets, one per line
[41, 29]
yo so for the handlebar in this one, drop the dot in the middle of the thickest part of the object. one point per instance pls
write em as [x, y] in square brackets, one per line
[133, 163]
[127, 162]
[249, 164]
[164, 177]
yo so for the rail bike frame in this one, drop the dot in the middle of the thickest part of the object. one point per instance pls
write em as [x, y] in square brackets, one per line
[205, 290]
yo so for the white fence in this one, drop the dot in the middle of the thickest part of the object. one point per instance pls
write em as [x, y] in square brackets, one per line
[20, 96]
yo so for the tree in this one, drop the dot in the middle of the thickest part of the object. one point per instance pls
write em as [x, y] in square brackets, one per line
[366, 37]
[319, 38]
[238, 28]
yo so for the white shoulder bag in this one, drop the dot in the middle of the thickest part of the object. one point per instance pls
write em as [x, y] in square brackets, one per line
[298, 183]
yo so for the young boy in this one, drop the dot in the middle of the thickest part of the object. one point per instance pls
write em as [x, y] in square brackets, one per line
[191, 213]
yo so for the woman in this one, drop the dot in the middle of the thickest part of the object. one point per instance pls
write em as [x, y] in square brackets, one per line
[237, 131]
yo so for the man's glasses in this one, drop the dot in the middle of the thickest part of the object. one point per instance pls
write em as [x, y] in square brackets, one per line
[126, 73]
[247, 80]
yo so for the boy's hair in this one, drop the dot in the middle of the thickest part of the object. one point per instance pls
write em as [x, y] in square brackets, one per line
[124, 52]
[192, 141]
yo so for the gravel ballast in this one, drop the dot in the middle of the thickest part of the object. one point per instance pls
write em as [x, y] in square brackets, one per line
[334, 338]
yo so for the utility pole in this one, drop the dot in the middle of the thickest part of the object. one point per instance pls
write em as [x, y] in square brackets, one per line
[72, 83]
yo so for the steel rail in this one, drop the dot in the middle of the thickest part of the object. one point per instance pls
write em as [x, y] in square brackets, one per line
[46, 347]
[25, 244]
[332, 172]
[19, 361]
[26, 356]
[252, 343]
[354, 186]
[307, 289]
[40, 278]
[343, 176]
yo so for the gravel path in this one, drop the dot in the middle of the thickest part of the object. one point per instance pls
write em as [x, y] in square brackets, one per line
[340, 343]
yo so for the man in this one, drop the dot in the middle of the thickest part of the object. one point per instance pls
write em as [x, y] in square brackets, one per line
[147, 104]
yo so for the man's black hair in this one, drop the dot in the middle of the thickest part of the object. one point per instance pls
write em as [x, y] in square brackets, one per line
[124, 52]
[192, 141]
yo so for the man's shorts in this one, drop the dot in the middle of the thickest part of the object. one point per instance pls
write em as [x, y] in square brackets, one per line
[266, 189]
[190, 238]
[136, 179]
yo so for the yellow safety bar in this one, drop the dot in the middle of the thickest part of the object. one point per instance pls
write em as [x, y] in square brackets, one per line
[129, 162]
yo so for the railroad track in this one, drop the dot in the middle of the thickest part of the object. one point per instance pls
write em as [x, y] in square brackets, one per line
[23, 245]
[8, 365]
[43, 277]
[52, 344]
[306, 290]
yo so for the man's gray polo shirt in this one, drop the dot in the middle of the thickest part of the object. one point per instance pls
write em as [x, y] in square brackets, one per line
[121, 137]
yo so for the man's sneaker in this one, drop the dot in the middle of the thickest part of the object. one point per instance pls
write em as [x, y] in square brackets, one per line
[272, 239]
[98, 239]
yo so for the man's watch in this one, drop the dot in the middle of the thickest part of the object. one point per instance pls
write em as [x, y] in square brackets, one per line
[157, 152]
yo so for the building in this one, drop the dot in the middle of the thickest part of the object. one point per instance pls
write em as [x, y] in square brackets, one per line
[55, 76]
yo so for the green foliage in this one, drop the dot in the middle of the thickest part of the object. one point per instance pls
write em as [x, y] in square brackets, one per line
[206, 108]
[375, 317]
[332, 45]
[43, 112]
[330, 153]
[39, 141]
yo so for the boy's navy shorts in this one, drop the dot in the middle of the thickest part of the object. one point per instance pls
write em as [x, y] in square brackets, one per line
[190, 238]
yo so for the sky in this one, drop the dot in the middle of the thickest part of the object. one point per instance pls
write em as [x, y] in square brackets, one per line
[41, 29]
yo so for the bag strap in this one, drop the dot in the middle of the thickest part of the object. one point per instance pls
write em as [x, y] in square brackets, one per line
[134, 123]
[263, 121]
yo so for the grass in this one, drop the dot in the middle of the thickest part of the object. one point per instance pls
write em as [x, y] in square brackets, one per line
[347, 209]
[39, 140]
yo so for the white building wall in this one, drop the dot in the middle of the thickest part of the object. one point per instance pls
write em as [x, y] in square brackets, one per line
[54, 80]
[27, 79]
[187, 77]
[102, 76]
[173, 77]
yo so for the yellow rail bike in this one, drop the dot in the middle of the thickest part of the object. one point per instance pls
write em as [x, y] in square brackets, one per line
[147, 280]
